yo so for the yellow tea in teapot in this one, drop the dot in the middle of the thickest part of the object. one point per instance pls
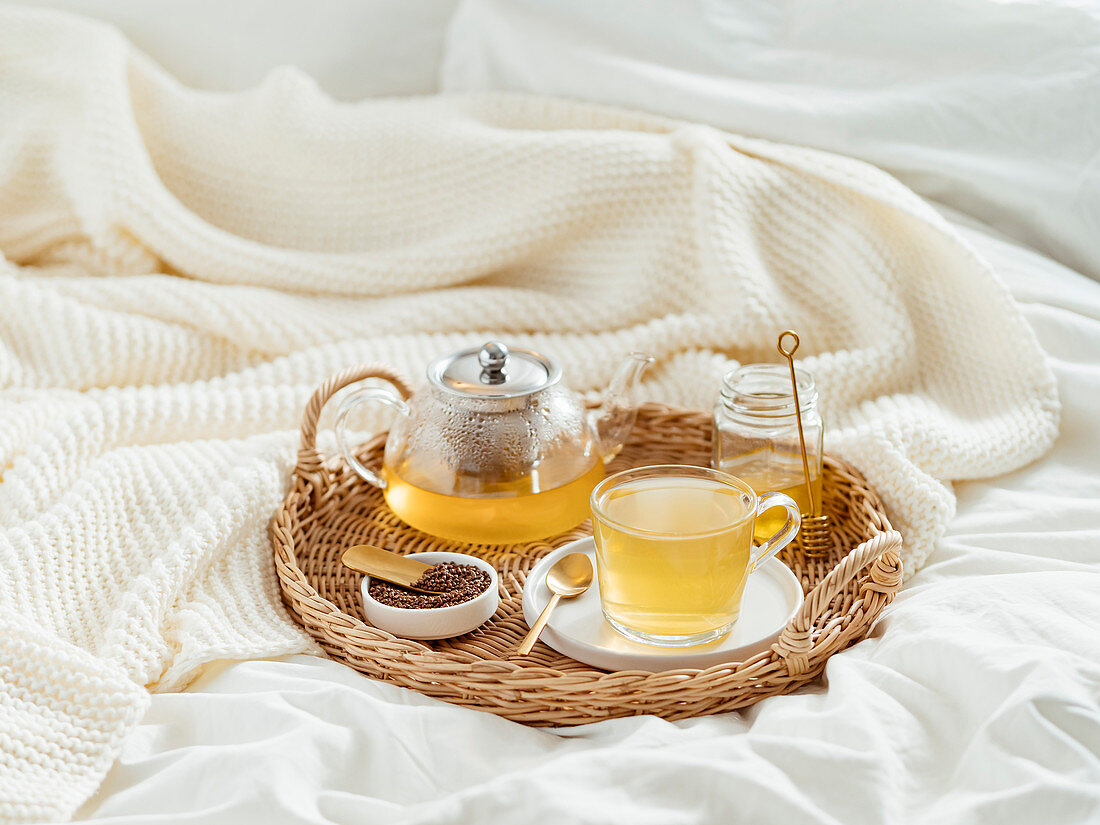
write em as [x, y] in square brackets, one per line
[506, 513]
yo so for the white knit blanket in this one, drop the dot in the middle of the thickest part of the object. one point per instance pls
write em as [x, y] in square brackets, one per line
[180, 269]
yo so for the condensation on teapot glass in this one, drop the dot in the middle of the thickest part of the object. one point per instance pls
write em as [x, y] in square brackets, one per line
[494, 448]
[473, 447]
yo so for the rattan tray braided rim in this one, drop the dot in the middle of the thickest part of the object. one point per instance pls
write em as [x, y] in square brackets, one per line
[329, 508]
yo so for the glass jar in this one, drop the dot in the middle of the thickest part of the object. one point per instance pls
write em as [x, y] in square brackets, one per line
[756, 436]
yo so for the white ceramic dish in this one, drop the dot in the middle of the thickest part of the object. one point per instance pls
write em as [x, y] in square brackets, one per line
[577, 627]
[436, 622]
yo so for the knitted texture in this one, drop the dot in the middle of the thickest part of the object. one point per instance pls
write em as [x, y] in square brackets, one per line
[181, 269]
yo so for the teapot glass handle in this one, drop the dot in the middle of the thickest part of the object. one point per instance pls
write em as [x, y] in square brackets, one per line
[784, 536]
[378, 394]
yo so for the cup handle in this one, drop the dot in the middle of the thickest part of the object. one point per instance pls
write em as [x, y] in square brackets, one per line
[381, 395]
[786, 533]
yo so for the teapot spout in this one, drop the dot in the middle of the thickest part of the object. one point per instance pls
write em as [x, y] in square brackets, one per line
[615, 418]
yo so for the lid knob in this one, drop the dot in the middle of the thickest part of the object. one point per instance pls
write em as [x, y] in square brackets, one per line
[493, 357]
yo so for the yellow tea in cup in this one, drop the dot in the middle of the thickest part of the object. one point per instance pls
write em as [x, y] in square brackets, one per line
[674, 548]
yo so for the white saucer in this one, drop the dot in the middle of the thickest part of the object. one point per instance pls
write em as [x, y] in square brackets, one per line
[577, 627]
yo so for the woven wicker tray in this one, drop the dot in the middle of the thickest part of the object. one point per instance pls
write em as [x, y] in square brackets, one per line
[330, 508]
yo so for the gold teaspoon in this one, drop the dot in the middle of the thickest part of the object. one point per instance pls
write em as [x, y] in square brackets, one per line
[570, 576]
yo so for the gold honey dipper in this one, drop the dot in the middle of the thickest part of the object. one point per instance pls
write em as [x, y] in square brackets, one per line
[814, 537]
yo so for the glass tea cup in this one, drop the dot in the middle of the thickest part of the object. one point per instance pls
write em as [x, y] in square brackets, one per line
[674, 548]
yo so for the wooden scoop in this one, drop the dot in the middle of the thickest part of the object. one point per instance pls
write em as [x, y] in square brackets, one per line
[382, 564]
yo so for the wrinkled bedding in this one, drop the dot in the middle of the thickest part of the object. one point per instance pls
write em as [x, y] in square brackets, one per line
[978, 697]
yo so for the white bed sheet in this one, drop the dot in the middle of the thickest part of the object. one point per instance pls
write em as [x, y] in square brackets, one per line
[977, 700]
[350, 48]
[990, 107]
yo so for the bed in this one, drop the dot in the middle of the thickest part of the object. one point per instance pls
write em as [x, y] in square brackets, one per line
[978, 696]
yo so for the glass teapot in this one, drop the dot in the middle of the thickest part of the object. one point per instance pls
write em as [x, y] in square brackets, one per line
[494, 449]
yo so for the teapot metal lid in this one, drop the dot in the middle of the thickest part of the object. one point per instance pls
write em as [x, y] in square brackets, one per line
[494, 370]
